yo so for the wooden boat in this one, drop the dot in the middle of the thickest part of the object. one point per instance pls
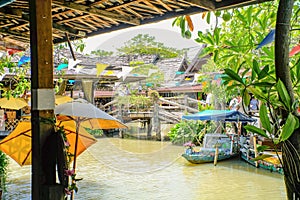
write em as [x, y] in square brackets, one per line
[269, 162]
[216, 147]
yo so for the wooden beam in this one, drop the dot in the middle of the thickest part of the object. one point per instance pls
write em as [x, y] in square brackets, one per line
[206, 4]
[236, 3]
[25, 20]
[44, 155]
[94, 11]
[14, 33]
[164, 5]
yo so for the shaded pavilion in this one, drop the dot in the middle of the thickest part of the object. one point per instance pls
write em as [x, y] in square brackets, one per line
[41, 23]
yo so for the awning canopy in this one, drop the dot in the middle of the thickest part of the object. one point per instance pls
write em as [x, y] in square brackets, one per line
[219, 115]
[85, 18]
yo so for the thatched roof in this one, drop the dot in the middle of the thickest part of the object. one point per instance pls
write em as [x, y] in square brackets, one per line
[84, 18]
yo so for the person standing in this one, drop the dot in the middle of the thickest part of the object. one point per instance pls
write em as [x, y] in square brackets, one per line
[254, 105]
[235, 103]
[208, 100]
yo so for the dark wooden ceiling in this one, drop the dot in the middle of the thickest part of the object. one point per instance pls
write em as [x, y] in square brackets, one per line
[84, 18]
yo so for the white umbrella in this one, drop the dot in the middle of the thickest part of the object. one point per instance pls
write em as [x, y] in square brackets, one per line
[85, 114]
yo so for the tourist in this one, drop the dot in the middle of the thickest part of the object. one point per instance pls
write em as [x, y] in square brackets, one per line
[140, 89]
[235, 103]
[208, 100]
[254, 105]
[127, 92]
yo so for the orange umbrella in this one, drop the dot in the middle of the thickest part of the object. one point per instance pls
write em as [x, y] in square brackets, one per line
[84, 114]
[17, 144]
[60, 99]
[13, 103]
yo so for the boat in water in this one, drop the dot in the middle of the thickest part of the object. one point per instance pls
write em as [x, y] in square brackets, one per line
[216, 147]
[268, 160]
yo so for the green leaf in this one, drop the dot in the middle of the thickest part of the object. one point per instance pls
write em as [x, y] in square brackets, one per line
[256, 130]
[264, 72]
[217, 35]
[289, 127]
[233, 75]
[264, 118]
[263, 84]
[216, 53]
[188, 34]
[175, 21]
[298, 69]
[208, 18]
[261, 157]
[283, 94]
[209, 39]
[255, 66]
[246, 98]
[262, 148]
[182, 26]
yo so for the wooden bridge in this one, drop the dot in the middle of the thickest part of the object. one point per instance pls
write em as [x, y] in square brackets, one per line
[164, 110]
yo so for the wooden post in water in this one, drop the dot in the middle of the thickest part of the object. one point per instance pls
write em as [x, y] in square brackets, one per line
[255, 150]
[216, 156]
[149, 128]
[156, 122]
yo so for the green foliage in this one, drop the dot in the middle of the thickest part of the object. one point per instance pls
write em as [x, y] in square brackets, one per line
[94, 132]
[136, 63]
[102, 53]
[156, 78]
[252, 71]
[20, 83]
[202, 107]
[140, 103]
[79, 45]
[249, 24]
[291, 124]
[262, 157]
[146, 44]
[3, 170]
[154, 95]
[185, 25]
[262, 148]
[6, 62]
[135, 102]
[188, 130]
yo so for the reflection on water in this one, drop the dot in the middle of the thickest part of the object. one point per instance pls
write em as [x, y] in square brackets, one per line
[123, 169]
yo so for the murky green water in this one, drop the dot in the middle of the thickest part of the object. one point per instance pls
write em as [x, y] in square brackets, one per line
[123, 169]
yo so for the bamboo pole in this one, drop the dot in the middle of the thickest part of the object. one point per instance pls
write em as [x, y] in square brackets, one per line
[255, 150]
[216, 156]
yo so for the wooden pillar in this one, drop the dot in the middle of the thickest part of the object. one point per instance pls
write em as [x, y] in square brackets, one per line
[149, 128]
[186, 103]
[156, 122]
[42, 102]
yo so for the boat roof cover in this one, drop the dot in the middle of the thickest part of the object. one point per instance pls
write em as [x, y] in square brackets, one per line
[219, 115]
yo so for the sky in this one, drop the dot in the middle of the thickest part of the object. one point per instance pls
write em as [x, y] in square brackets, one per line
[162, 31]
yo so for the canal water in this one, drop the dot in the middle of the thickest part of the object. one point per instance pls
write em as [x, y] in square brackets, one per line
[124, 169]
